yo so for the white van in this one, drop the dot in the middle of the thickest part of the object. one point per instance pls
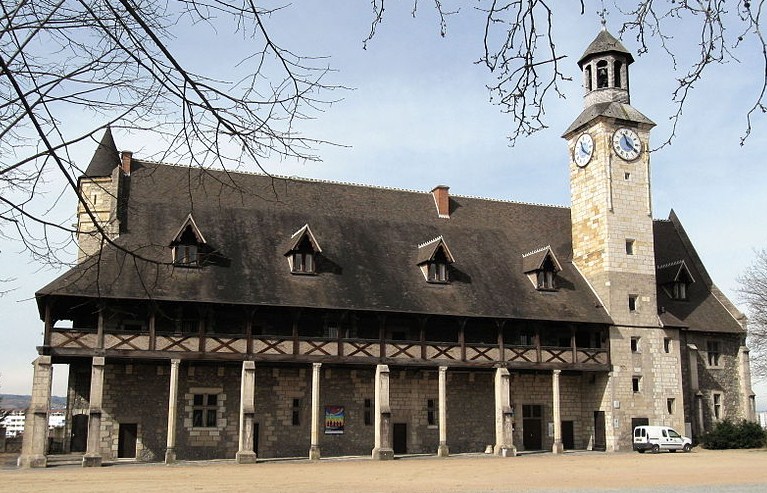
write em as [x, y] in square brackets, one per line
[657, 438]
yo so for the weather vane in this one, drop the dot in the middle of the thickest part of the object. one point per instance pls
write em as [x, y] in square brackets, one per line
[603, 15]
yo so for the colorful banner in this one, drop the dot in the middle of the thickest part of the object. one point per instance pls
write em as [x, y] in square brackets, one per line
[334, 420]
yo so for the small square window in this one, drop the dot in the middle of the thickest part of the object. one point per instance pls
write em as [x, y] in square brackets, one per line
[670, 405]
[626, 175]
[629, 247]
[635, 344]
[666, 344]
[204, 410]
[635, 381]
[632, 302]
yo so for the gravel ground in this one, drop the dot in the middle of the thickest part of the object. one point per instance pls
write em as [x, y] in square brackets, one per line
[700, 471]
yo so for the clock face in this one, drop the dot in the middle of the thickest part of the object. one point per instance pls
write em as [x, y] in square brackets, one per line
[584, 149]
[626, 144]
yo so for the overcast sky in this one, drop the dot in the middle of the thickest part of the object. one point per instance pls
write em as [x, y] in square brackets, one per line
[419, 115]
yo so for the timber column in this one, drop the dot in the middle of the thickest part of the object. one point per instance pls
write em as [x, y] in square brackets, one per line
[557, 448]
[36, 423]
[314, 448]
[442, 450]
[504, 415]
[382, 449]
[246, 454]
[92, 457]
[170, 444]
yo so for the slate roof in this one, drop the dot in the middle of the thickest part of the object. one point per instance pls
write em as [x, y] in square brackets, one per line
[706, 309]
[605, 43]
[105, 159]
[620, 111]
[369, 237]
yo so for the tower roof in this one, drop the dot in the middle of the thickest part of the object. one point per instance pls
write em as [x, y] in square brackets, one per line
[605, 43]
[105, 159]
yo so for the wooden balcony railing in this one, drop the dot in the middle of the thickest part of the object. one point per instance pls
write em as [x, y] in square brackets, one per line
[218, 346]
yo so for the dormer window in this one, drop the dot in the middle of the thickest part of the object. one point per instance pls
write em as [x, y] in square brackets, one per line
[675, 279]
[434, 259]
[302, 251]
[542, 267]
[188, 245]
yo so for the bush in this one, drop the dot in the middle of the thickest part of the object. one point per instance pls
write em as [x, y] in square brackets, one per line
[727, 435]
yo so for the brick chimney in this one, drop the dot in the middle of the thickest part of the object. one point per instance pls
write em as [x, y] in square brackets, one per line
[125, 162]
[442, 200]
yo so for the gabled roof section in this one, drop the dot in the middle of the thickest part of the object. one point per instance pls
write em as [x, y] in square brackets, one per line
[105, 159]
[533, 261]
[673, 272]
[296, 238]
[706, 308]
[188, 223]
[605, 43]
[428, 251]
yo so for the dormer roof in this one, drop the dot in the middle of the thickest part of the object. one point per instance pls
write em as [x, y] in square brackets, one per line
[293, 243]
[189, 223]
[535, 260]
[673, 272]
[428, 251]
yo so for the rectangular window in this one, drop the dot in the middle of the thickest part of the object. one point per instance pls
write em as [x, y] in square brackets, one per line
[635, 384]
[431, 412]
[368, 414]
[679, 291]
[714, 353]
[296, 415]
[437, 272]
[717, 401]
[666, 344]
[670, 405]
[632, 302]
[185, 255]
[635, 344]
[629, 247]
[303, 262]
[204, 410]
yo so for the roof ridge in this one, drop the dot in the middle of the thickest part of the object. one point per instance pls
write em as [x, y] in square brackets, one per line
[355, 184]
[431, 241]
[539, 250]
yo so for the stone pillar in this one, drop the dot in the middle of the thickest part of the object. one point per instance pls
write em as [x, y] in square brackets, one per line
[557, 448]
[746, 392]
[382, 449]
[442, 450]
[314, 449]
[92, 457]
[504, 416]
[35, 439]
[246, 454]
[170, 444]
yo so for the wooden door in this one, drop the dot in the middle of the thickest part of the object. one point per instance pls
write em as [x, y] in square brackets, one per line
[568, 435]
[79, 438]
[399, 441]
[532, 423]
[126, 441]
[600, 439]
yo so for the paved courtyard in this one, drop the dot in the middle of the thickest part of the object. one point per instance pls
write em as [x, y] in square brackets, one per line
[700, 471]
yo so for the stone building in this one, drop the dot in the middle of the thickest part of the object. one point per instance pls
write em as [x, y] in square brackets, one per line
[231, 315]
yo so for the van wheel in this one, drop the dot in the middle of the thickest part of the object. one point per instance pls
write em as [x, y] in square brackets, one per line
[687, 447]
[655, 448]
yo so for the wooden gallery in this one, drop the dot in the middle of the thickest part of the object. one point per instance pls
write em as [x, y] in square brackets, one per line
[234, 315]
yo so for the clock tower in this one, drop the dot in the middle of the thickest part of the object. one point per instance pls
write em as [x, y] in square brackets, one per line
[613, 246]
[611, 209]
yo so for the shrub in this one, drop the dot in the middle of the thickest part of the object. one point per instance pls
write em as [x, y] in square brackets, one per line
[727, 435]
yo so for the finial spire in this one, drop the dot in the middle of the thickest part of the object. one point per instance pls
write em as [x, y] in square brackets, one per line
[603, 15]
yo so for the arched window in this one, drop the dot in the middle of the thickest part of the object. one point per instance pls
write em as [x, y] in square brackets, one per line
[602, 79]
[617, 67]
[587, 74]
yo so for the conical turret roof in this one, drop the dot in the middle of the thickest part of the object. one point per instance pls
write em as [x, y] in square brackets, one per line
[105, 159]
